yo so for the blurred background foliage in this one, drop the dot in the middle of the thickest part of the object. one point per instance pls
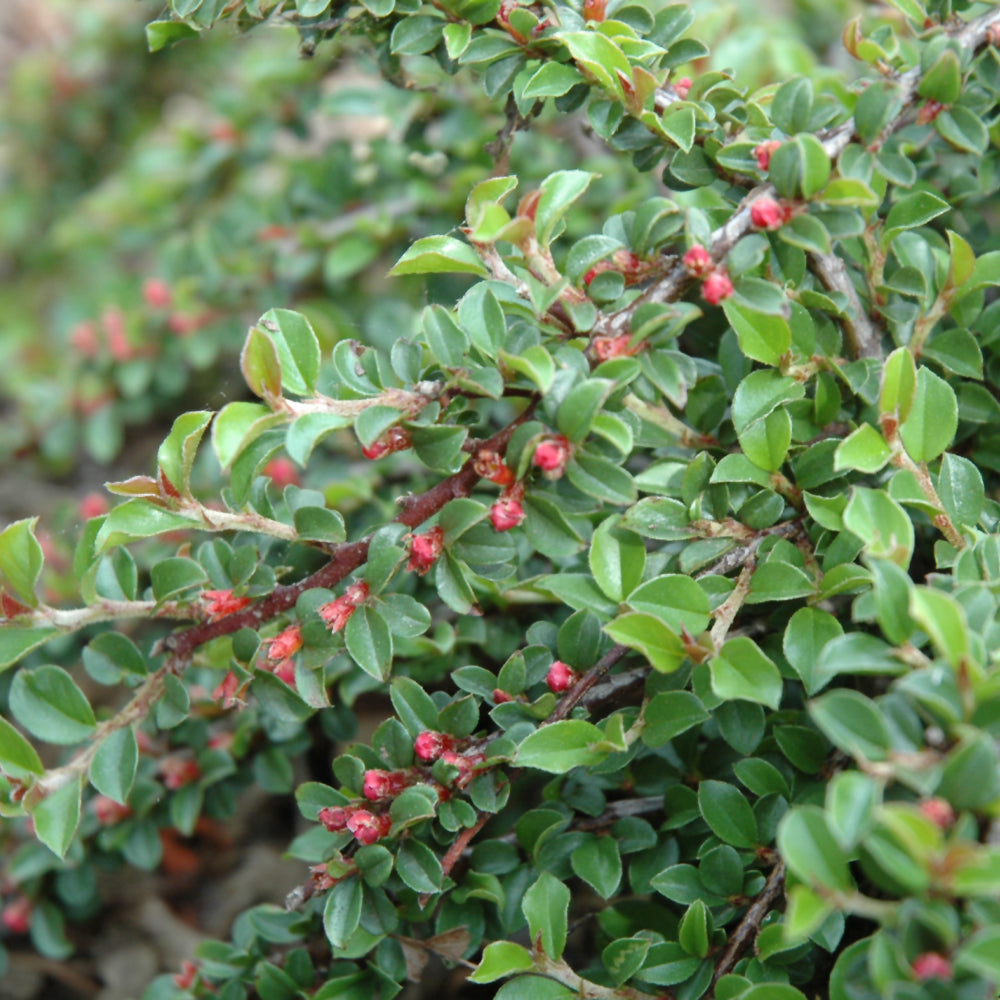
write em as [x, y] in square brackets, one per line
[153, 205]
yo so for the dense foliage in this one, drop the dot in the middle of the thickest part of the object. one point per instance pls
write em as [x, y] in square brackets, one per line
[654, 493]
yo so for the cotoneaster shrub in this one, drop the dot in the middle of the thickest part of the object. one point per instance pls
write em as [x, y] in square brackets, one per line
[673, 542]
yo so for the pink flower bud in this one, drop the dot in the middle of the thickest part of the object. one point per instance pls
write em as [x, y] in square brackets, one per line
[113, 321]
[282, 647]
[561, 677]
[699, 261]
[490, 465]
[929, 110]
[16, 915]
[93, 505]
[606, 348]
[717, 287]
[228, 691]
[338, 612]
[178, 772]
[184, 979]
[282, 472]
[394, 439]
[109, 812]
[285, 672]
[766, 213]
[594, 10]
[83, 338]
[383, 784]
[507, 513]
[938, 811]
[219, 603]
[599, 268]
[763, 153]
[368, 827]
[931, 965]
[334, 818]
[424, 550]
[500, 696]
[552, 455]
[157, 293]
[683, 87]
[429, 745]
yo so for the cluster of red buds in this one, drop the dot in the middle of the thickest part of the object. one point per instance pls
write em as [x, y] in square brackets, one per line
[230, 690]
[219, 603]
[338, 612]
[716, 284]
[621, 346]
[631, 267]
[552, 454]
[508, 511]
[430, 746]
[561, 677]
[683, 87]
[394, 439]
[380, 784]
[279, 652]
[367, 827]
[764, 151]
[766, 213]
[425, 549]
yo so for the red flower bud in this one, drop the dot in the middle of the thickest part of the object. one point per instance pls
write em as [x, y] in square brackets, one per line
[763, 153]
[717, 287]
[938, 811]
[699, 261]
[552, 455]
[227, 694]
[282, 472]
[83, 338]
[113, 321]
[284, 645]
[109, 812]
[184, 979]
[157, 293]
[93, 505]
[219, 603]
[334, 818]
[337, 613]
[383, 784]
[683, 87]
[507, 513]
[561, 677]
[394, 439]
[766, 213]
[16, 915]
[424, 550]
[931, 965]
[500, 696]
[598, 268]
[367, 827]
[490, 465]
[606, 348]
[429, 745]
[593, 10]
[929, 110]
[178, 772]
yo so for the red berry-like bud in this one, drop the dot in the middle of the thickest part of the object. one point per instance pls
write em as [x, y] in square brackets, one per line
[500, 696]
[507, 513]
[598, 268]
[490, 465]
[552, 455]
[284, 645]
[157, 293]
[83, 338]
[717, 287]
[219, 603]
[227, 693]
[763, 153]
[383, 784]
[606, 348]
[931, 965]
[109, 812]
[93, 505]
[424, 550]
[178, 772]
[699, 261]
[184, 979]
[766, 213]
[561, 677]
[337, 613]
[938, 811]
[367, 827]
[429, 745]
[683, 87]
[334, 818]
[282, 472]
[929, 110]
[16, 915]
[593, 10]
[394, 439]
[113, 321]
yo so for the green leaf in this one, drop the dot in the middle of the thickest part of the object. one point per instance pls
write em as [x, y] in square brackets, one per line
[792, 105]
[561, 746]
[694, 929]
[598, 862]
[437, 255]
[21, 559]
[303, 435]
[651, 637]
[582, 403]
[743, 671]
[808, 632]
[980, 954]
[899, 384]
[369, 641]
[881, 524]
[238, 425]
[911, 212]
[163, 34]
[624, 957]
[944, 620]
[175, 575]
[676, 600]
[176, 455]
[18, 642]
[57, 816]
[930, 427]
[853, 723]
[416, 34]
[762, 337]
[601, 478]
[960, 487]
[811, 851]
[799, 167]
[418, 866]
[670, 713]
[260, 365]
[942, 80]
[18, 758]
[297, 347]
[546, 905]
[617, 558]
[112, 770]
[138, 518]
[47, 702]
[863, 450]
[600, 57]
[766, 441]
[851, 798]
[728, 814]
[501, 958]
[552, 79]
[342, 911]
